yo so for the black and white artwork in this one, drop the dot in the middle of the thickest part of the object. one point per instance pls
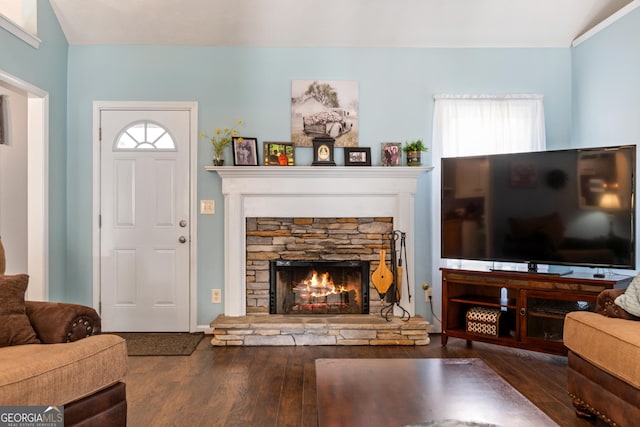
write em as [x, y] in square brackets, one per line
[324, 109]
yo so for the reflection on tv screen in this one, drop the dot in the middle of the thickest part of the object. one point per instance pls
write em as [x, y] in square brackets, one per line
[570, 207]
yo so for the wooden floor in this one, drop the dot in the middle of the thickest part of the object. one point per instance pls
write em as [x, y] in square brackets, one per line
[275, 386]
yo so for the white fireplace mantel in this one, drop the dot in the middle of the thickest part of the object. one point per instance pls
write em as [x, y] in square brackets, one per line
[310, 191]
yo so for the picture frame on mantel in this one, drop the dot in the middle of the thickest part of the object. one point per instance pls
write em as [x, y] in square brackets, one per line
[245, 151]
[357, 156]
[323, 152]
[279, 154]
[391, 153]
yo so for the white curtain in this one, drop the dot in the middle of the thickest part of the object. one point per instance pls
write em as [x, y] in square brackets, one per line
[468, 125]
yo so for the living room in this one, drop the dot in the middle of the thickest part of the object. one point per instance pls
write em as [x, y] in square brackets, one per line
[590, 92]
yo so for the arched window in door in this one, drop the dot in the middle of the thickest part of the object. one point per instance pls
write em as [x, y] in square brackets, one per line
[145, 135]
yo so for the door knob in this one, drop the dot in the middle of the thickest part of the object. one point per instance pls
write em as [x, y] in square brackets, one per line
[183, 223]
[182, 239]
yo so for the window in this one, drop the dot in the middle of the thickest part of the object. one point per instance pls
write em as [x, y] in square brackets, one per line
[477, 125]
[466, 126]
[145, 135]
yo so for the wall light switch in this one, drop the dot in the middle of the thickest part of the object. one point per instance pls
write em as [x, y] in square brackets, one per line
[207, 207]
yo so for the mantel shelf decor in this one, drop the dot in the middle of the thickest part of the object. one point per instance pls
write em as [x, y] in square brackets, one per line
[311, 171]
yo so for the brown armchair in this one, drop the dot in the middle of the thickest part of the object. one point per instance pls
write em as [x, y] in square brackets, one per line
[52, 353]
[57, 322]
[606, 305]
[603, 378]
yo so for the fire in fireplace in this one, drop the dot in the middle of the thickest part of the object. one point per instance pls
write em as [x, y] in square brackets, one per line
[319, 287]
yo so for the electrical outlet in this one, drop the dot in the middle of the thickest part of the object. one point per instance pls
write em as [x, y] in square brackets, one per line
[428, 292]
[216, 296]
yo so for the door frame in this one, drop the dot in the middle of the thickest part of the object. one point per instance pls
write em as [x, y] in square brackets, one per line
[192, 107]
[37, 187]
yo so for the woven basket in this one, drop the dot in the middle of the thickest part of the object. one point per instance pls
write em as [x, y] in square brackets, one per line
[484, 321]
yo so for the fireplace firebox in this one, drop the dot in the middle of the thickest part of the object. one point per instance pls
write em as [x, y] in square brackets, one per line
[318, 287]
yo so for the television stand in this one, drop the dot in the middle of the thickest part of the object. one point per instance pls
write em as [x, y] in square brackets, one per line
[532, 314]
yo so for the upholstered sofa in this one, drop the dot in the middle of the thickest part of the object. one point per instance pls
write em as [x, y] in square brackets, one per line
[603, 369]
[52, 354]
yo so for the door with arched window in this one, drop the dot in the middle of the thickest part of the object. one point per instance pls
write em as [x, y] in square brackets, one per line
[144, 220]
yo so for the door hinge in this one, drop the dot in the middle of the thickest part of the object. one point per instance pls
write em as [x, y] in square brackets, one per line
[99, 221]
[100, 308]
[100, 134]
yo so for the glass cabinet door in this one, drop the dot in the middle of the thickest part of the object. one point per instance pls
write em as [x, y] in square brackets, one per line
[542, 314]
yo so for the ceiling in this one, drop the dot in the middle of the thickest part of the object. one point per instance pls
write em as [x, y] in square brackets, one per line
[333, 23]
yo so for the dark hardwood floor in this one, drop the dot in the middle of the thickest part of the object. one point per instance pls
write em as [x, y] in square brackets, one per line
[275, 386]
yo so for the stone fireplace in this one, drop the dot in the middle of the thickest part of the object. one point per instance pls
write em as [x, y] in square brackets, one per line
[343, 214]
[291, 249]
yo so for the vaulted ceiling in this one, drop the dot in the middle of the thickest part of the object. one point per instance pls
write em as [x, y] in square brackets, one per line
[333, 23]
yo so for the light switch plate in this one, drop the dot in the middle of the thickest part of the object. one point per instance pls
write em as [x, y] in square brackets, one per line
[207, 207]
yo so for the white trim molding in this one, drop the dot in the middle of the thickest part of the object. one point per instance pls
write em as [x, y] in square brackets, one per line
[37, 186]
[310, 191]
[607, 22]
[19, 32]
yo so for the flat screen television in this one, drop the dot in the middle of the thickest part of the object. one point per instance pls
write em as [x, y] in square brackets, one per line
[571, 207]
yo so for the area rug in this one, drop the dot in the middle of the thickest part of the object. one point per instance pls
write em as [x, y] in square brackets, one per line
[161, 343]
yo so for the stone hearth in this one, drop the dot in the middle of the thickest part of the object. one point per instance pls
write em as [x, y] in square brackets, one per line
[345, 329]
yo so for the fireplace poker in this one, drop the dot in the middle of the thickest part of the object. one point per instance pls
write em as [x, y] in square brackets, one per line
[403, 248]
[398, 264]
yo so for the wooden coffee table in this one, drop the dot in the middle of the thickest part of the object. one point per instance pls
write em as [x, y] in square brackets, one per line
[399, 392]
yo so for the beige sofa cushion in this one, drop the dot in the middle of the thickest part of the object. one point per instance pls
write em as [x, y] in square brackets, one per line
[612, 345]
[57, 374]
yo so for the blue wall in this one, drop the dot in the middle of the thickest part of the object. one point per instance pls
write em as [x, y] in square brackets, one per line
[606, 85]
[396, 104]
[606, 88]
[46, 68]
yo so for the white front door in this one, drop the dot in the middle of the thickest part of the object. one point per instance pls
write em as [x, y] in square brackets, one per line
[144, 216]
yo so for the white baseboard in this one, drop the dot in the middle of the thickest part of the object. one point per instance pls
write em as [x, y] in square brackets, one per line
[204, 328]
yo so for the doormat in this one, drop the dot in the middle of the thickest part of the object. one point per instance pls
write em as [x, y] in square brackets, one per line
[161, 343]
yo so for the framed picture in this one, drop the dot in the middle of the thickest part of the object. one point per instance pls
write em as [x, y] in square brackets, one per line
[323, 152]
[324, 108]
[279, 154]
[245, 151]
[391, 153]
[357, 156]
[523, 175]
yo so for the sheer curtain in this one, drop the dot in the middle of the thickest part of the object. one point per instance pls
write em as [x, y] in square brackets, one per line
[468, 125]
[474, 125]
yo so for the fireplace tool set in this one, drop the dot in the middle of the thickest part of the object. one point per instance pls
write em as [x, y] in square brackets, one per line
[388, 282]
